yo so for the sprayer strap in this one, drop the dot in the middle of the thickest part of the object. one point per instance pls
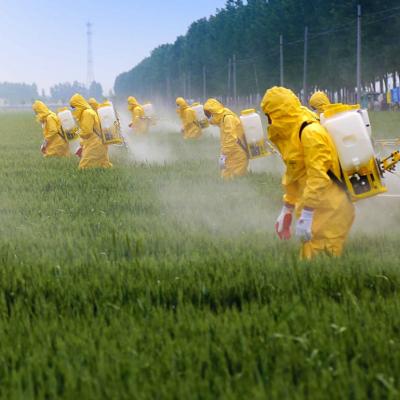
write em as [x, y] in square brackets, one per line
[244, 147]
[337, 181]
[330, 173]
[63, 135]
[302, 127]
[98, 133]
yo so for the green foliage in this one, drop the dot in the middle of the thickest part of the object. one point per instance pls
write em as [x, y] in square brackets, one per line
[251, 30]
[159, 281]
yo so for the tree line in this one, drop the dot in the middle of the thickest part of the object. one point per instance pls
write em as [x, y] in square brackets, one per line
[22, 93]
[242, 40]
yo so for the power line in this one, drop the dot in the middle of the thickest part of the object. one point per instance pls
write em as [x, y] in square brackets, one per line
[381, 12]
[382, 19]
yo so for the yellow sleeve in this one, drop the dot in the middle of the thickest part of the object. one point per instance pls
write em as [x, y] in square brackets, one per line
[138, 115]
[51, 128]
[231, 127]
[229, 135]
[292, 193]
[87, 124]
[318, 160]
[190, 117]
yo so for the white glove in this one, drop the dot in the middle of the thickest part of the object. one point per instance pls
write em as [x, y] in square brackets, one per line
[222, 160]
[284, 222]
[304, 225]
[43, 147]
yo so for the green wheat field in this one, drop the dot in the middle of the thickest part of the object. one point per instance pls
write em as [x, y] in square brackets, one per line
[155, 280]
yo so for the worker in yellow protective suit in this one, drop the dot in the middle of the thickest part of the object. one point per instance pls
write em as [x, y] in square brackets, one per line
[96, 105]
[54, 144]
[312, 179]
[93, 103]
[94, 152]
[190, 126]
[318, 101]
[139, 124]
[234, 159]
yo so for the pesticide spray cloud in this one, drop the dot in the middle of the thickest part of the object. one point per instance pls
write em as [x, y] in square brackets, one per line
[194, 195]
[380, 214]
[153, 148]
[200, 198]
[221, 208]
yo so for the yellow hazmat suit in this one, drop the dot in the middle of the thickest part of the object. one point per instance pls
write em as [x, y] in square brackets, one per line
[55, 145]
[318, 101]
[96, 105]
[309, 157]
[139, 124]
[93, 103]
[94, 152]
[234, 159]
[310, 113]
[191, 127]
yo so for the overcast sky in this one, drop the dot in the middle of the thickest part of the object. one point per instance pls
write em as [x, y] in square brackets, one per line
[44, 41]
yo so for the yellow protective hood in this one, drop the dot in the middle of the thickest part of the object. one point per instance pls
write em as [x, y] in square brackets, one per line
[93, 103]
[132, 103]
[332, 109]
[217, 110]
[182, 105]
[181, 102]
[79, 104]
[310, 113]
[318, 101]
[41, 110]
[285, 111]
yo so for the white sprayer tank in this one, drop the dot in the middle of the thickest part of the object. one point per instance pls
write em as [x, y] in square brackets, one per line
[149, 111]
[199, 110]
[107, 117]
[67, 120]
[252, 126]
[351, 137]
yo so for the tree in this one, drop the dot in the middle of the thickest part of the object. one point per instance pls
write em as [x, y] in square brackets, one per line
[251, 31]
[64, 91]
[96, 90]
[18, 93]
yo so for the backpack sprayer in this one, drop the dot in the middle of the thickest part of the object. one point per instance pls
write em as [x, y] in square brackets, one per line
[150, 113]
[201, 117]
[362, 172]
[69, 127]
[257, 145]
[110, 125]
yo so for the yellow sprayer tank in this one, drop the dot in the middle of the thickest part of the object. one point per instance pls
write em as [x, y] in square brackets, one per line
[254, 133]
[68, 125]
[110, 126]
[200, 116]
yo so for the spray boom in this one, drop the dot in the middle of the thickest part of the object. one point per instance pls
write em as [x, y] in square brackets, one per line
[389, 163]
